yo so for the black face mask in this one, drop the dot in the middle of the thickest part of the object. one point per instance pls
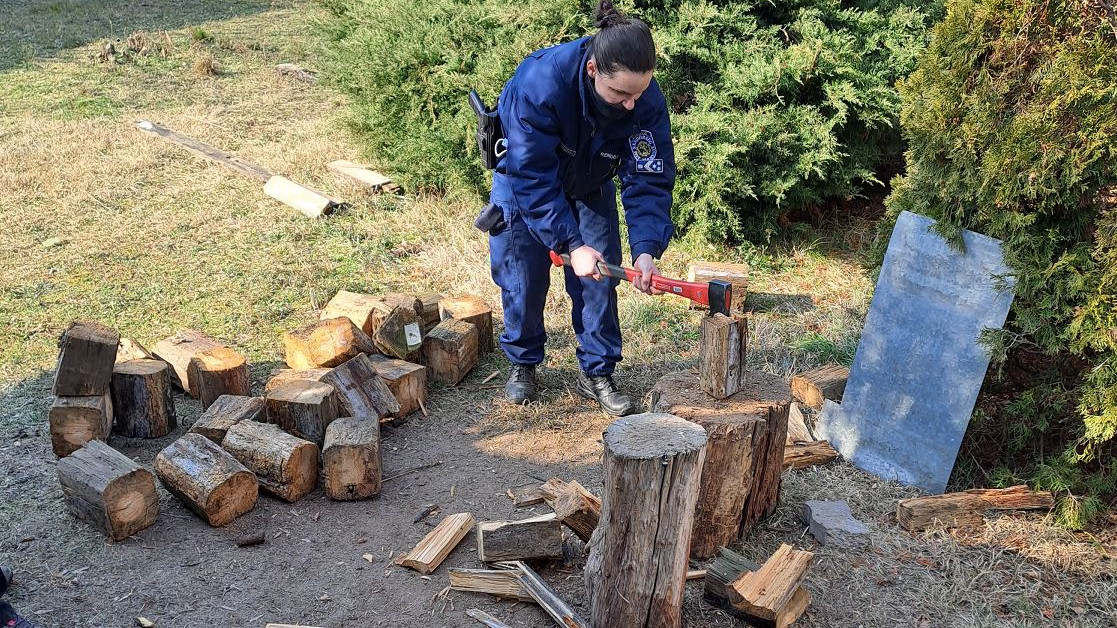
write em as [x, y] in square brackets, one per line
[604, 111]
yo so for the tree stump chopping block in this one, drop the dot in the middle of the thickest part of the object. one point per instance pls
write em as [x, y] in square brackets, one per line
[285, 466]
[748, 432]
[226, 412]
[142, 401]
[361, 392]
[303, 408]
[86, 354]
[207, 479]
[75, 421]
[106, 488]
[217, 372]
[351, 458]
[637, 565]
[450, 351]
[471, 309]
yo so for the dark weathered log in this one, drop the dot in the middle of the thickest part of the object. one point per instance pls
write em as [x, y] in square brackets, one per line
[74, 421]
[815, 387]
[351, 458]
[110, 491]
[86, 354]
[285, 466]
[407, 381]
[577, 509]
[207, 479]
[450, 350]
[143, 406]
[437, 545]
[768, 593]
[965, 509]
[217, 372]
[721, 356]
[327, 343]
[302, 408]
[471, 309]
[177, 352]
[527, 539]
[399, 333]
[361, 392]
[636, 574]
[227, 411]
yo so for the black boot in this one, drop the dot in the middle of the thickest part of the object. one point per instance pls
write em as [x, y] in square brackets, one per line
[602, 388]
[521, 387]
[5, 578]
[9, 618]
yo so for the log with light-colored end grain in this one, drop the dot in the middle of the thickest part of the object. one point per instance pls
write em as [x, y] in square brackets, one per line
[437, 545]
[537, 538]
[128, 349]
[75, 421]
[361, 392]
[207, 479]
[471, 309]
[216, 372]
[767, 592]
[578, 509]
[107, 489]
[302, 408]
[325, 344]
[177, 352]
[503, 583]
[280, 377]
[965, 509]
[816, 386]
[635, 575]
[351, 458]
[285, 466]
[143, 405]
[721, 354]
[803, 455]
[361, 309]
[450, 351]
[406, 380]
[736, 274]
[86, 354]
[226, 412]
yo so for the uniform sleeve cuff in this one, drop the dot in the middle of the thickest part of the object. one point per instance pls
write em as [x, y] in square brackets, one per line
[574, 243]
[651, 248]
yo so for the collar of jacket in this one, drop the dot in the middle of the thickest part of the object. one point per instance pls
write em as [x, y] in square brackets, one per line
[583, 82]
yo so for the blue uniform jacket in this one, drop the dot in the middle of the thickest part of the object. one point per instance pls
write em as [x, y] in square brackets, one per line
[559, 153]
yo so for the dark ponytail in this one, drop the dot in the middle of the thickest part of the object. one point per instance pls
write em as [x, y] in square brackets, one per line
[622, 43]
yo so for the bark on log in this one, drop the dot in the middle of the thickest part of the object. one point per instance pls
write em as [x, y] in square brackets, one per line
[86, 354]
[303, 408]
[538, 538]
[143, 406]
[226, 412]
[177, 351]
[216, 372]
[637, 565]
[722, 349]
[207, 479]
[107, 489]
[965, 509]
[75, 421]
[351, 458]
[406, 380]
[471, 309]
[450, 351]
[285, 466]
[816, 386]
[361, 392]
[327, 343]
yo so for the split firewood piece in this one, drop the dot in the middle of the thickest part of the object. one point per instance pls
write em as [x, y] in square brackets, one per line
[128, 349]
[406, 380]
[216, 372]
[550, 490]
[525, 495]
[767, 592]
[546, 597]
[400, 332]
[430, 314]
[107, 489]
[87, 352]
[450, 350]
[361, 392]
[471, 309]
[143, 406]
[280, 377]
[361, 174]
[208, 479]
[736, 274]
[797, 431]
[722, 349]
[957, 510]
[437, 545]
[818, 385]
[327, 343]
[285, 466]
[75, 421]
[485, 618]
[527, 539]
[803, 455]
[227, 411]
[577, 509]
[726, 569]
[302, 408]
[351, 458]
[177, 352]
[503, 583]
[363, 310]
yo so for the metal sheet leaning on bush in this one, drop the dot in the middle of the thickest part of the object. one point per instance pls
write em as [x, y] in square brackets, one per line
[307, 200]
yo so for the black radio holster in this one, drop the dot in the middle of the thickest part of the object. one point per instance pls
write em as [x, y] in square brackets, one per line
[490, 134]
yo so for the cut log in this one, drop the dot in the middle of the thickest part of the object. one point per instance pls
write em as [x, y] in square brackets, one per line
[351, 458]
[217, 372]
[525, 495]
[128, 349]
[721, 361]
[764, 399]
[75, 421]
[814, 387]
[302, 408]
[310, 202]
[503, 583]
[107, 489]
[736, 274]
[957, 510]
[361, 392]
[797, 431]
[430, 315]
[207, 479]
[437, 545]
[578, 509]
[538, 538]
[767, 592]
[635, 575]
[227, 411]
[407, 381]
[546, 598]
[285, 466]
[86, 354]
[726, 569]
[361, 309]
[361, 174]
[327, 343]
[803, 455]
[143, 406]
[177, 352]
[400, 333]
[450, 351]
[280, 377]
[471, 309]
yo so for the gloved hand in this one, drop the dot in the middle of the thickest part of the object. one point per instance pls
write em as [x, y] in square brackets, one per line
[643, 282]
[584, 261]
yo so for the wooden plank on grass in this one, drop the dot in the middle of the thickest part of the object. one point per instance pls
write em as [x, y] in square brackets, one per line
[206, 151]
[360, 174]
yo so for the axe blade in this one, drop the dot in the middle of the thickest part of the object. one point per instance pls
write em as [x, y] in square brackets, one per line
[721, 297]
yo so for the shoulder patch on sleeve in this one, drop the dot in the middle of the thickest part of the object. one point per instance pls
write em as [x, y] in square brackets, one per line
[642, 145]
